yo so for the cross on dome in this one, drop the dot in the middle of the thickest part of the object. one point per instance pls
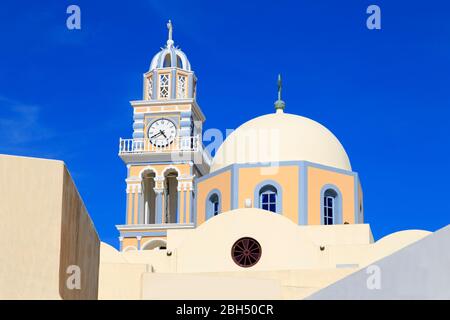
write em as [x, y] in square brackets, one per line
[279, 104]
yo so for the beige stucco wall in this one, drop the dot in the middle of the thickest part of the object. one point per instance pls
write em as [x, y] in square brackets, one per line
[339, 234]
[392, 243]
[285, 245]
[189, 286]
[208, 248]
[292, 265]
[121, 272]
[45, 228]
[121, 281]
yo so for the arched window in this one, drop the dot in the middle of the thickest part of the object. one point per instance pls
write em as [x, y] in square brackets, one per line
[171, 196]
[179, 62]
[214, 204]
[149, 197]
[167, 61]
[268, 198]
[331, 205]
[156, 244]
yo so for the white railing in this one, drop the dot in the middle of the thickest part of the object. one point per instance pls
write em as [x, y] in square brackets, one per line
[127, 146]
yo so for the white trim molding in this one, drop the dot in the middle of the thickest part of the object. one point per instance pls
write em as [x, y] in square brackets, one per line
[159, 226]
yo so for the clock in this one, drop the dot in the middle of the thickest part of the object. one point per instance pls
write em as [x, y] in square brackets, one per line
[162, 132]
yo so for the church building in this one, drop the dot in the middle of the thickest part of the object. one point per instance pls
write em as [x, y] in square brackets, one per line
[279, 162]
[274, 212]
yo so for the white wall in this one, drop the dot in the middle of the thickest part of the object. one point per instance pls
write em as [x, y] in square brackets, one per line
[45, 228]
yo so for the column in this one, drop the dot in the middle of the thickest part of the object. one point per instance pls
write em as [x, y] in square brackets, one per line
[179, 218]
[155, 85]
[132, 204]
[135, 205]
[188, 202]
[139, 238]
[121, 243]
[173, 83]
[303, 195]
[185, 211]
[179, 209]
[159, 199]
[158, 205]
[190, 85]
[163, 207]
[129, 205]
[191, 201]
[140, 209]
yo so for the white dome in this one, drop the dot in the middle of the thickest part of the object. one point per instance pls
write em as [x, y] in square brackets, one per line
[170, 57]
[281, 137]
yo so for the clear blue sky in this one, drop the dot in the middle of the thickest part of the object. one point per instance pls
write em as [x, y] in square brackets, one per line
[385, 94]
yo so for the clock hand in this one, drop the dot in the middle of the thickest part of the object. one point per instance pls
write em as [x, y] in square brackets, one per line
[162, 132]
[154, 136]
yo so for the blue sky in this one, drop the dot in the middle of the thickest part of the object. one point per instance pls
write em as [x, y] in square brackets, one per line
[384, 93]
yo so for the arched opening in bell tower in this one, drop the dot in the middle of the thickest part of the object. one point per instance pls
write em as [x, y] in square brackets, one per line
[148, 184]
[157, 244]
[171, 196]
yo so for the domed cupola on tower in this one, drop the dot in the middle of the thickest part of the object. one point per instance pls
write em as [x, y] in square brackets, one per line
[170, 75]
[170, 57]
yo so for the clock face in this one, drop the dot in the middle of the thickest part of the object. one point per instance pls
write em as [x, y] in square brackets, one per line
[162, 132]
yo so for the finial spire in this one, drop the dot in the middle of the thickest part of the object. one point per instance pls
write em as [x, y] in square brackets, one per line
[170, 28]
[279, 104]
[280, 85]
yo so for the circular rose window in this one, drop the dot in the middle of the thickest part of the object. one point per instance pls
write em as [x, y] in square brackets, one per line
[246, 252]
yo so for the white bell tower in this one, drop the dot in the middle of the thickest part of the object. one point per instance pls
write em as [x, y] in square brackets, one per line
[166, 152]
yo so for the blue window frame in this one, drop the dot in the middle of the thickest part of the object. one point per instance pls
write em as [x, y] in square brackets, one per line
[214, 204]
[329, 207]
[268, 198]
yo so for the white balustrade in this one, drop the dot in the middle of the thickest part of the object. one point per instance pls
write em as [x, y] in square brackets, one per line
[127, 146]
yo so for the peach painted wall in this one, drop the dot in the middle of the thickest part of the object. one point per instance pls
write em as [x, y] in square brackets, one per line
[184, 169]
[317, 178]
[287, 177]
[360, 202]
[129, 242]
[150, 109]
[221, 182]
[132, 242]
